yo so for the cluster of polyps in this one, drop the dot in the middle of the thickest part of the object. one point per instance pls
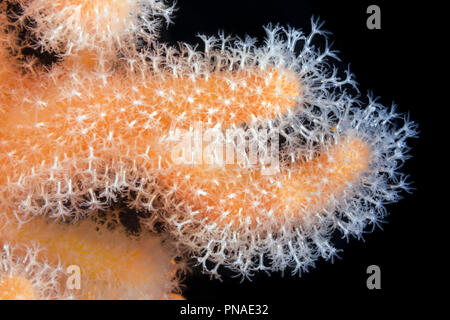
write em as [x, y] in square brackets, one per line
[95, 129]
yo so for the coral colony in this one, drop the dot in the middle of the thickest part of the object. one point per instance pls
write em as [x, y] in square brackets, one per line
[236, 156]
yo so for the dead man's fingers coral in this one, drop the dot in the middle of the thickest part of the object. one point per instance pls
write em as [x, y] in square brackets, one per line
[26, 274]
[102, 126]
[110, 264]
[105, 26]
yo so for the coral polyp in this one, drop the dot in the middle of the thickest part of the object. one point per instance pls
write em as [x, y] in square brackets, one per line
[288, 152]
[101, 26]
[26, 274]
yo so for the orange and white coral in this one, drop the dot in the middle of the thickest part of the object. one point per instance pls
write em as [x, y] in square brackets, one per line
[96, 129]
[26, 274]
[112, 265]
